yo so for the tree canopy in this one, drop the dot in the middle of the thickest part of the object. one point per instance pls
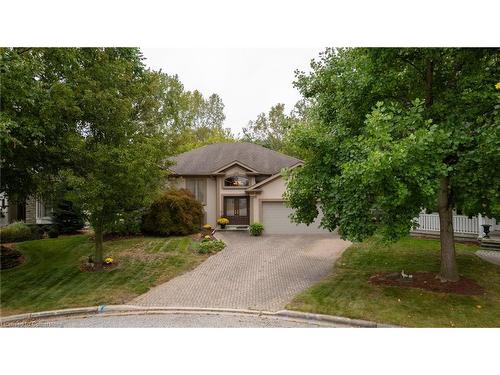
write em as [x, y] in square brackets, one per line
[273, 130]
[99, 122]
[190, 120]
[395, 131]
[37, 116]
[46, 105]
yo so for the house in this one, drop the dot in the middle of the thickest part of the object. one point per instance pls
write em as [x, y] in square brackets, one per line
[242, 182]
[31, 211]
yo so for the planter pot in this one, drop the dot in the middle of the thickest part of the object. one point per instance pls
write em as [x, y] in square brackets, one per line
[223, 226]
[486, 230]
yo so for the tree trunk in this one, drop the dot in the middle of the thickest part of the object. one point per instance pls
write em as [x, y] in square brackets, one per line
[429, 78]
[449, 270]
[98, 258]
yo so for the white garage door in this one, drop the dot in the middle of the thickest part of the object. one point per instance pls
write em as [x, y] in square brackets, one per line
[275, 217]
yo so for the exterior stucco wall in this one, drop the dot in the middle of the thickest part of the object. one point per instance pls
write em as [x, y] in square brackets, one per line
[210, 207]
[274, 189]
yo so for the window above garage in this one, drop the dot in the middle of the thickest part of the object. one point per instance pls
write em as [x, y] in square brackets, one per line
[236, 181]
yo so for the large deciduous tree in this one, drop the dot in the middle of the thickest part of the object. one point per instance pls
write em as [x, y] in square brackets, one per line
[397, 131]
[272, 130]
[88, 117]
[190, 120]
[121, 151]
[37, 117]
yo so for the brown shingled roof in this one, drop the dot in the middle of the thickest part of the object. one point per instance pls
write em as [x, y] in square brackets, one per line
[208, 159]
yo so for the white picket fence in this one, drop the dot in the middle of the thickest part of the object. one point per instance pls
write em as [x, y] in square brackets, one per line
[461, 224]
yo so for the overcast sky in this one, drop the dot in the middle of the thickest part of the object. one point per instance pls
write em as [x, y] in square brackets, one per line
[249, 81]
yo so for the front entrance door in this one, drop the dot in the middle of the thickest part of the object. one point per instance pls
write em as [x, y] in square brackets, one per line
[236, 209]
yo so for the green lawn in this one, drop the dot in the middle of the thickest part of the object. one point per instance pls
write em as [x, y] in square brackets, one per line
[51, 279]
[347, 292]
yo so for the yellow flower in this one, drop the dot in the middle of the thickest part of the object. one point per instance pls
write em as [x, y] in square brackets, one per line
[223, 221]
[108, 260]
[207, 226]
[207, 237]
[497, 86]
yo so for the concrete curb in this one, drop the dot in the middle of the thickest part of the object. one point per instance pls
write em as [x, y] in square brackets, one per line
[49, 314]
[332, 319]
[133, 309]
[139, 310]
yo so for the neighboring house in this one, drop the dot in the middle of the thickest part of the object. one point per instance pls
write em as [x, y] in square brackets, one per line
[32, 211]
[242, 182]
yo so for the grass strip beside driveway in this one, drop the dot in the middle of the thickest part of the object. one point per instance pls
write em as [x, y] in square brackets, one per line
[347, 292]
[51, 277]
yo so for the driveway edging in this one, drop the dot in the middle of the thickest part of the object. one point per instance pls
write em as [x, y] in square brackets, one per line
[134, 309]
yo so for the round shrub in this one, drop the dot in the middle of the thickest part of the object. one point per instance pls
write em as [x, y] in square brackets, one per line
[17, 232]
[176, 212]
[53, 232]
[256, 229]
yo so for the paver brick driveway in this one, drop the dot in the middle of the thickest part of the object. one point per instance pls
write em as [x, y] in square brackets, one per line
[259, 273]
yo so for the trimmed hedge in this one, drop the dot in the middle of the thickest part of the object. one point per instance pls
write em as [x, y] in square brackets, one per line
[176, 212]
[18, 232]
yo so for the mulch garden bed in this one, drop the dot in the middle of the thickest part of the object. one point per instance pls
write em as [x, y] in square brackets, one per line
[10, 257]
[201, 235]
[428, 281]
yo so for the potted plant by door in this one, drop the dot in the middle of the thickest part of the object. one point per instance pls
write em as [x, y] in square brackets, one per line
[222, 221]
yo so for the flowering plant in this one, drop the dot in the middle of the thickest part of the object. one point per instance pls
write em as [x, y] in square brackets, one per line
[207, 226]
[222, 221]
[207, 237]
[108, 260]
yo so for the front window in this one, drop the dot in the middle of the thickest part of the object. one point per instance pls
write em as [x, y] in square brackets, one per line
[236, 181]
[43, 209]
[198, 186]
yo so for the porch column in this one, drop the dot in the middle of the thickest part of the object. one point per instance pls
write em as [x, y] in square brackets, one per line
[250, 207]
